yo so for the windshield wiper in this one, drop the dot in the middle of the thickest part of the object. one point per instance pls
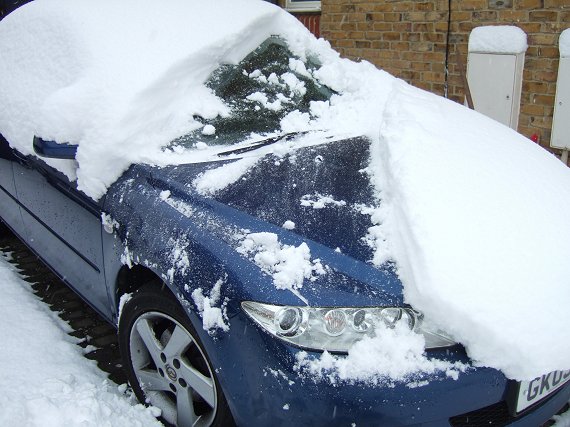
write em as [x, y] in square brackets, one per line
[263, 143]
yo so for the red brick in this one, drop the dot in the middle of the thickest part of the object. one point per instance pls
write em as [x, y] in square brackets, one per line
[420, 66]
[529, 4]
[400, 46]
[362, 44]
[472, 4]
[424, 6]
[544, 76]
[543, 39]
[413, 37]
[543, 15]
[391, 36]
[556, 4]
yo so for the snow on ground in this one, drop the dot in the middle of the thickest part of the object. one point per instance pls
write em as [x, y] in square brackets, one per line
[562, 420]
[44, 378]
[473, 214]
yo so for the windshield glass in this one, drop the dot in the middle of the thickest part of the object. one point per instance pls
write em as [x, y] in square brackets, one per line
[259, 91]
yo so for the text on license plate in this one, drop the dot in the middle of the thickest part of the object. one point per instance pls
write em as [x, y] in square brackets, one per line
[531, 392]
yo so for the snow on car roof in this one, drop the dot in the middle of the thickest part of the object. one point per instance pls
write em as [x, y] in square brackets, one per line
[474, 215]
[100, 73]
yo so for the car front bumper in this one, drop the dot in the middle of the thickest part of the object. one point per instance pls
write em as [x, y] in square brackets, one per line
[263, 386]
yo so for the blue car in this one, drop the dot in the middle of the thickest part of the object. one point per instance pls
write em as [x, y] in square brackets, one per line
[208, 332]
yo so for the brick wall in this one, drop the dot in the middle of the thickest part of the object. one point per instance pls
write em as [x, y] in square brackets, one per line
[408, 39]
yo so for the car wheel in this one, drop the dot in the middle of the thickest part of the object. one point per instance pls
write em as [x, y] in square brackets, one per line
[166, 364]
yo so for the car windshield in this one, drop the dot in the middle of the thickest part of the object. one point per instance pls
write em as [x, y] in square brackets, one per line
[260, 91]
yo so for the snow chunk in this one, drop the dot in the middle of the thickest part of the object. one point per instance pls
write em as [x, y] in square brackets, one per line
[564, 43]
[122, 301]
[497, 39]
[263, 100]
[288, 265]
[213, 317]
[208, 130]
[178, 257]
[109, 224]
[319, 201]
[394, 354]
[127, 257]
[299, 67]
[376, 235]
[295, 85]
[201, 145]
[295, 121]
[182, 207]
[214, 180]
[288, 225]
[562, 420]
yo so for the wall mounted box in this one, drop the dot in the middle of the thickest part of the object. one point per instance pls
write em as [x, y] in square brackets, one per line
[495, 69]
[495, 81]
[561, 120]
[303, 5]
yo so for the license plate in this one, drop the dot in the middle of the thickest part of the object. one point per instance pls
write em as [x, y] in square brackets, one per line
[531, 392]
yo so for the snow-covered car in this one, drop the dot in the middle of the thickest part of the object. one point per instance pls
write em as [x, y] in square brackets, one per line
[282, 236]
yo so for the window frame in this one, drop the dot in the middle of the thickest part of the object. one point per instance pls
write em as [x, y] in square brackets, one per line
[302, 5]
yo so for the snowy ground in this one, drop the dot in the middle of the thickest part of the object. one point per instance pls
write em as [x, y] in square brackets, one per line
[44, 378]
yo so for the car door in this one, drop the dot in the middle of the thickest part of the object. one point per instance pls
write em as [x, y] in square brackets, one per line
[9, 209]
[63, 226]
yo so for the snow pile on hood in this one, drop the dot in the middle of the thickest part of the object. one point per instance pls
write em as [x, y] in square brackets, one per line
[44, 378]
[497, 39]
[477, 220]
[289, 265]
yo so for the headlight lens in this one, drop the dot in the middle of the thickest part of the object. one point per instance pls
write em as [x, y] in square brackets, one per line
[337, 329]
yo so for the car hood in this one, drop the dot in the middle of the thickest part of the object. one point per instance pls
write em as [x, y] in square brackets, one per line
[318, 195]
[320, 192]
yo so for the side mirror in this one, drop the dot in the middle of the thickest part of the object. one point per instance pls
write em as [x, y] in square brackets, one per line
[54, 150]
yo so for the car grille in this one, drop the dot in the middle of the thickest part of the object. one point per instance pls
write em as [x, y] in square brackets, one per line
[496, 415]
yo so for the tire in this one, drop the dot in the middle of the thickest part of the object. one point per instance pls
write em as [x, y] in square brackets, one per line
[166, 364]
[4, 230]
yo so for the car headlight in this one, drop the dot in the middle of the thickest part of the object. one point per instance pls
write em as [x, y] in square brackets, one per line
[337, 329]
